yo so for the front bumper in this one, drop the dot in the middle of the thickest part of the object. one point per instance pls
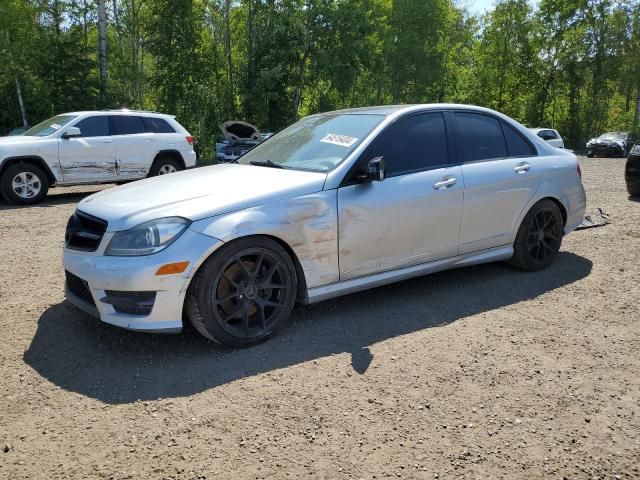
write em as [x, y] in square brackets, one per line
[607, 150]
[137, 274]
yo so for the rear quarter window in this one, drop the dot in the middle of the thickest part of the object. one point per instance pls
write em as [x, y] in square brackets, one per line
[517, 144]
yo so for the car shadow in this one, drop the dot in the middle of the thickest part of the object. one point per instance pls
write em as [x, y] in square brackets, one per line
[52, 200]
[81, 354]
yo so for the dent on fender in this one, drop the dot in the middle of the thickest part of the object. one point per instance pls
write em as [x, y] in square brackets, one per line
[308, 224]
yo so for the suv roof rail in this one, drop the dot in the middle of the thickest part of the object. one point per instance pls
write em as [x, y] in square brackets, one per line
[130, 110]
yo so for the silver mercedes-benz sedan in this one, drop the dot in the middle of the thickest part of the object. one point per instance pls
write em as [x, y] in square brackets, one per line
[337, 202]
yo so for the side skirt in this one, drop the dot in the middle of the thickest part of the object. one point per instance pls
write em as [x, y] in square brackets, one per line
[326, 292]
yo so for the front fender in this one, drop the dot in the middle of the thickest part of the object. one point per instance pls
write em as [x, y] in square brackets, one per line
[307, 224]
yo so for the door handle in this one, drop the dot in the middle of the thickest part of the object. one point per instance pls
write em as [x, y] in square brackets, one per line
[522, 167]
[107, 141]
[444, 183]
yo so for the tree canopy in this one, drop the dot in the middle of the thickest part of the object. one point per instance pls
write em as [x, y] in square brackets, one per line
[573, 65]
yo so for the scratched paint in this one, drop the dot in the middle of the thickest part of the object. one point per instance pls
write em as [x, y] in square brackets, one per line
[308, 224]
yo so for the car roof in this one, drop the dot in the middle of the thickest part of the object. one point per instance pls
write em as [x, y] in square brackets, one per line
[123, 111]
[389, 110]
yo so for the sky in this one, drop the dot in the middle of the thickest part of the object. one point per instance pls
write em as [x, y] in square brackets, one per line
[481, 6]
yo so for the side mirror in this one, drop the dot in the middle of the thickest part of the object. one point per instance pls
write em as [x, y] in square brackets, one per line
[374, 171]
[72, 132]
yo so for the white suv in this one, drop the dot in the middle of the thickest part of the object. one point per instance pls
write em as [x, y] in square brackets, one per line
[91, 147]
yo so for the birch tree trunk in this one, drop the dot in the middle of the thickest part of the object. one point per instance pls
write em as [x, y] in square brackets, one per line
[102, 50]
[23, 111]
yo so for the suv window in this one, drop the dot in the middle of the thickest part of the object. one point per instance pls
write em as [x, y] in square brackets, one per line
[547, 134]
[411, 144]
[479, 137]
[157, 125]
[94, 126]
[127, 124]
[517, 144]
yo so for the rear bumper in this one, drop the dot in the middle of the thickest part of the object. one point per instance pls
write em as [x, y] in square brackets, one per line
[137, 274]
[576, 205]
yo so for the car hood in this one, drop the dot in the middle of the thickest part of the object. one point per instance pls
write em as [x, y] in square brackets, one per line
[238, 131]
[16, 139]
[198, 193]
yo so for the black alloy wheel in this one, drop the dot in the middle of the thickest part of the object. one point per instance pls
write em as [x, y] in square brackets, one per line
[544, 237]
[243, 294]
[539, 237]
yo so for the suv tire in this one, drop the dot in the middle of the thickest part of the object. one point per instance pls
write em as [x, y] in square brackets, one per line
[163, 165]
[24, 184]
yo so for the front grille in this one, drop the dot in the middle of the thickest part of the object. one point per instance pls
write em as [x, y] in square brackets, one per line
[84, 232]
[79, 287]
[133, 303]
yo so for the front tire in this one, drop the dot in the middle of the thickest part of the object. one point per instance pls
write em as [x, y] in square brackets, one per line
[163, 165]
[244, 293]
[539, 237]
[24, 184]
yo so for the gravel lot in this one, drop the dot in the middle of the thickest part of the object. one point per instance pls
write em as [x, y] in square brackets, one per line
[474, 373]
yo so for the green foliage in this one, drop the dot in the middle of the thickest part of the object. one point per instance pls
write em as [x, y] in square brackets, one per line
[569, 64]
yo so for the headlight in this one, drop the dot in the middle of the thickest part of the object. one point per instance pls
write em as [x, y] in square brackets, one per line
[147, 238]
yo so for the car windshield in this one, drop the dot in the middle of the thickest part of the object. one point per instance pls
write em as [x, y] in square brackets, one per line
[317, 143]
[49, 126]
[613, 136]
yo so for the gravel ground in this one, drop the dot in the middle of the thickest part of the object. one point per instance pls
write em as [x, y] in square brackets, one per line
[475, 373]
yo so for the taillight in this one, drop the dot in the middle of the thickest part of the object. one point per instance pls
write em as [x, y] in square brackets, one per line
[579, 171]
[189, 139]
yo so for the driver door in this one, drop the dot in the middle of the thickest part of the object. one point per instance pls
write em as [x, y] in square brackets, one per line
[413, 215]
[90, 156]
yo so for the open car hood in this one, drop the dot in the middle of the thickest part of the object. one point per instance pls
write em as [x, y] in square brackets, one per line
[238, 131]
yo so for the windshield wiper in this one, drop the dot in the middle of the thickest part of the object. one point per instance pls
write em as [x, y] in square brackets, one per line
[267, 163]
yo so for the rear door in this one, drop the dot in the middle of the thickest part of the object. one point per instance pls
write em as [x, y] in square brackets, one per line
[91, 156]
[135, 147]
[500, 177]
[413, 215]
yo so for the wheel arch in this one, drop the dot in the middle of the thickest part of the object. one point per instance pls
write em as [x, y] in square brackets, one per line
[34, 160]
[301, 282]
[534, 202]
[175, 154]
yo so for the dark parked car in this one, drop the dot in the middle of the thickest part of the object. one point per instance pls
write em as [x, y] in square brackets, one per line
[612, 144]
[632, 171]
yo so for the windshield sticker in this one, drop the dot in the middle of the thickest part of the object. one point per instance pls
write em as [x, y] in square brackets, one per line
[342, 140]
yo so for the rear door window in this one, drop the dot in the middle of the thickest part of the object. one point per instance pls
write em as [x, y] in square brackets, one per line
[157, 125]
[479, 137]
[127, 124]
[414, 143]
[97, 126]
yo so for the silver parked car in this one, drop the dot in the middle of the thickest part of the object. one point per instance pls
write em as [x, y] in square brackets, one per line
[337, 202]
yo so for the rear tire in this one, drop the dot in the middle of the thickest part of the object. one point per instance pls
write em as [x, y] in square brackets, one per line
[539, 237]
[163, 165]
[24, 184]
[244, 293]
